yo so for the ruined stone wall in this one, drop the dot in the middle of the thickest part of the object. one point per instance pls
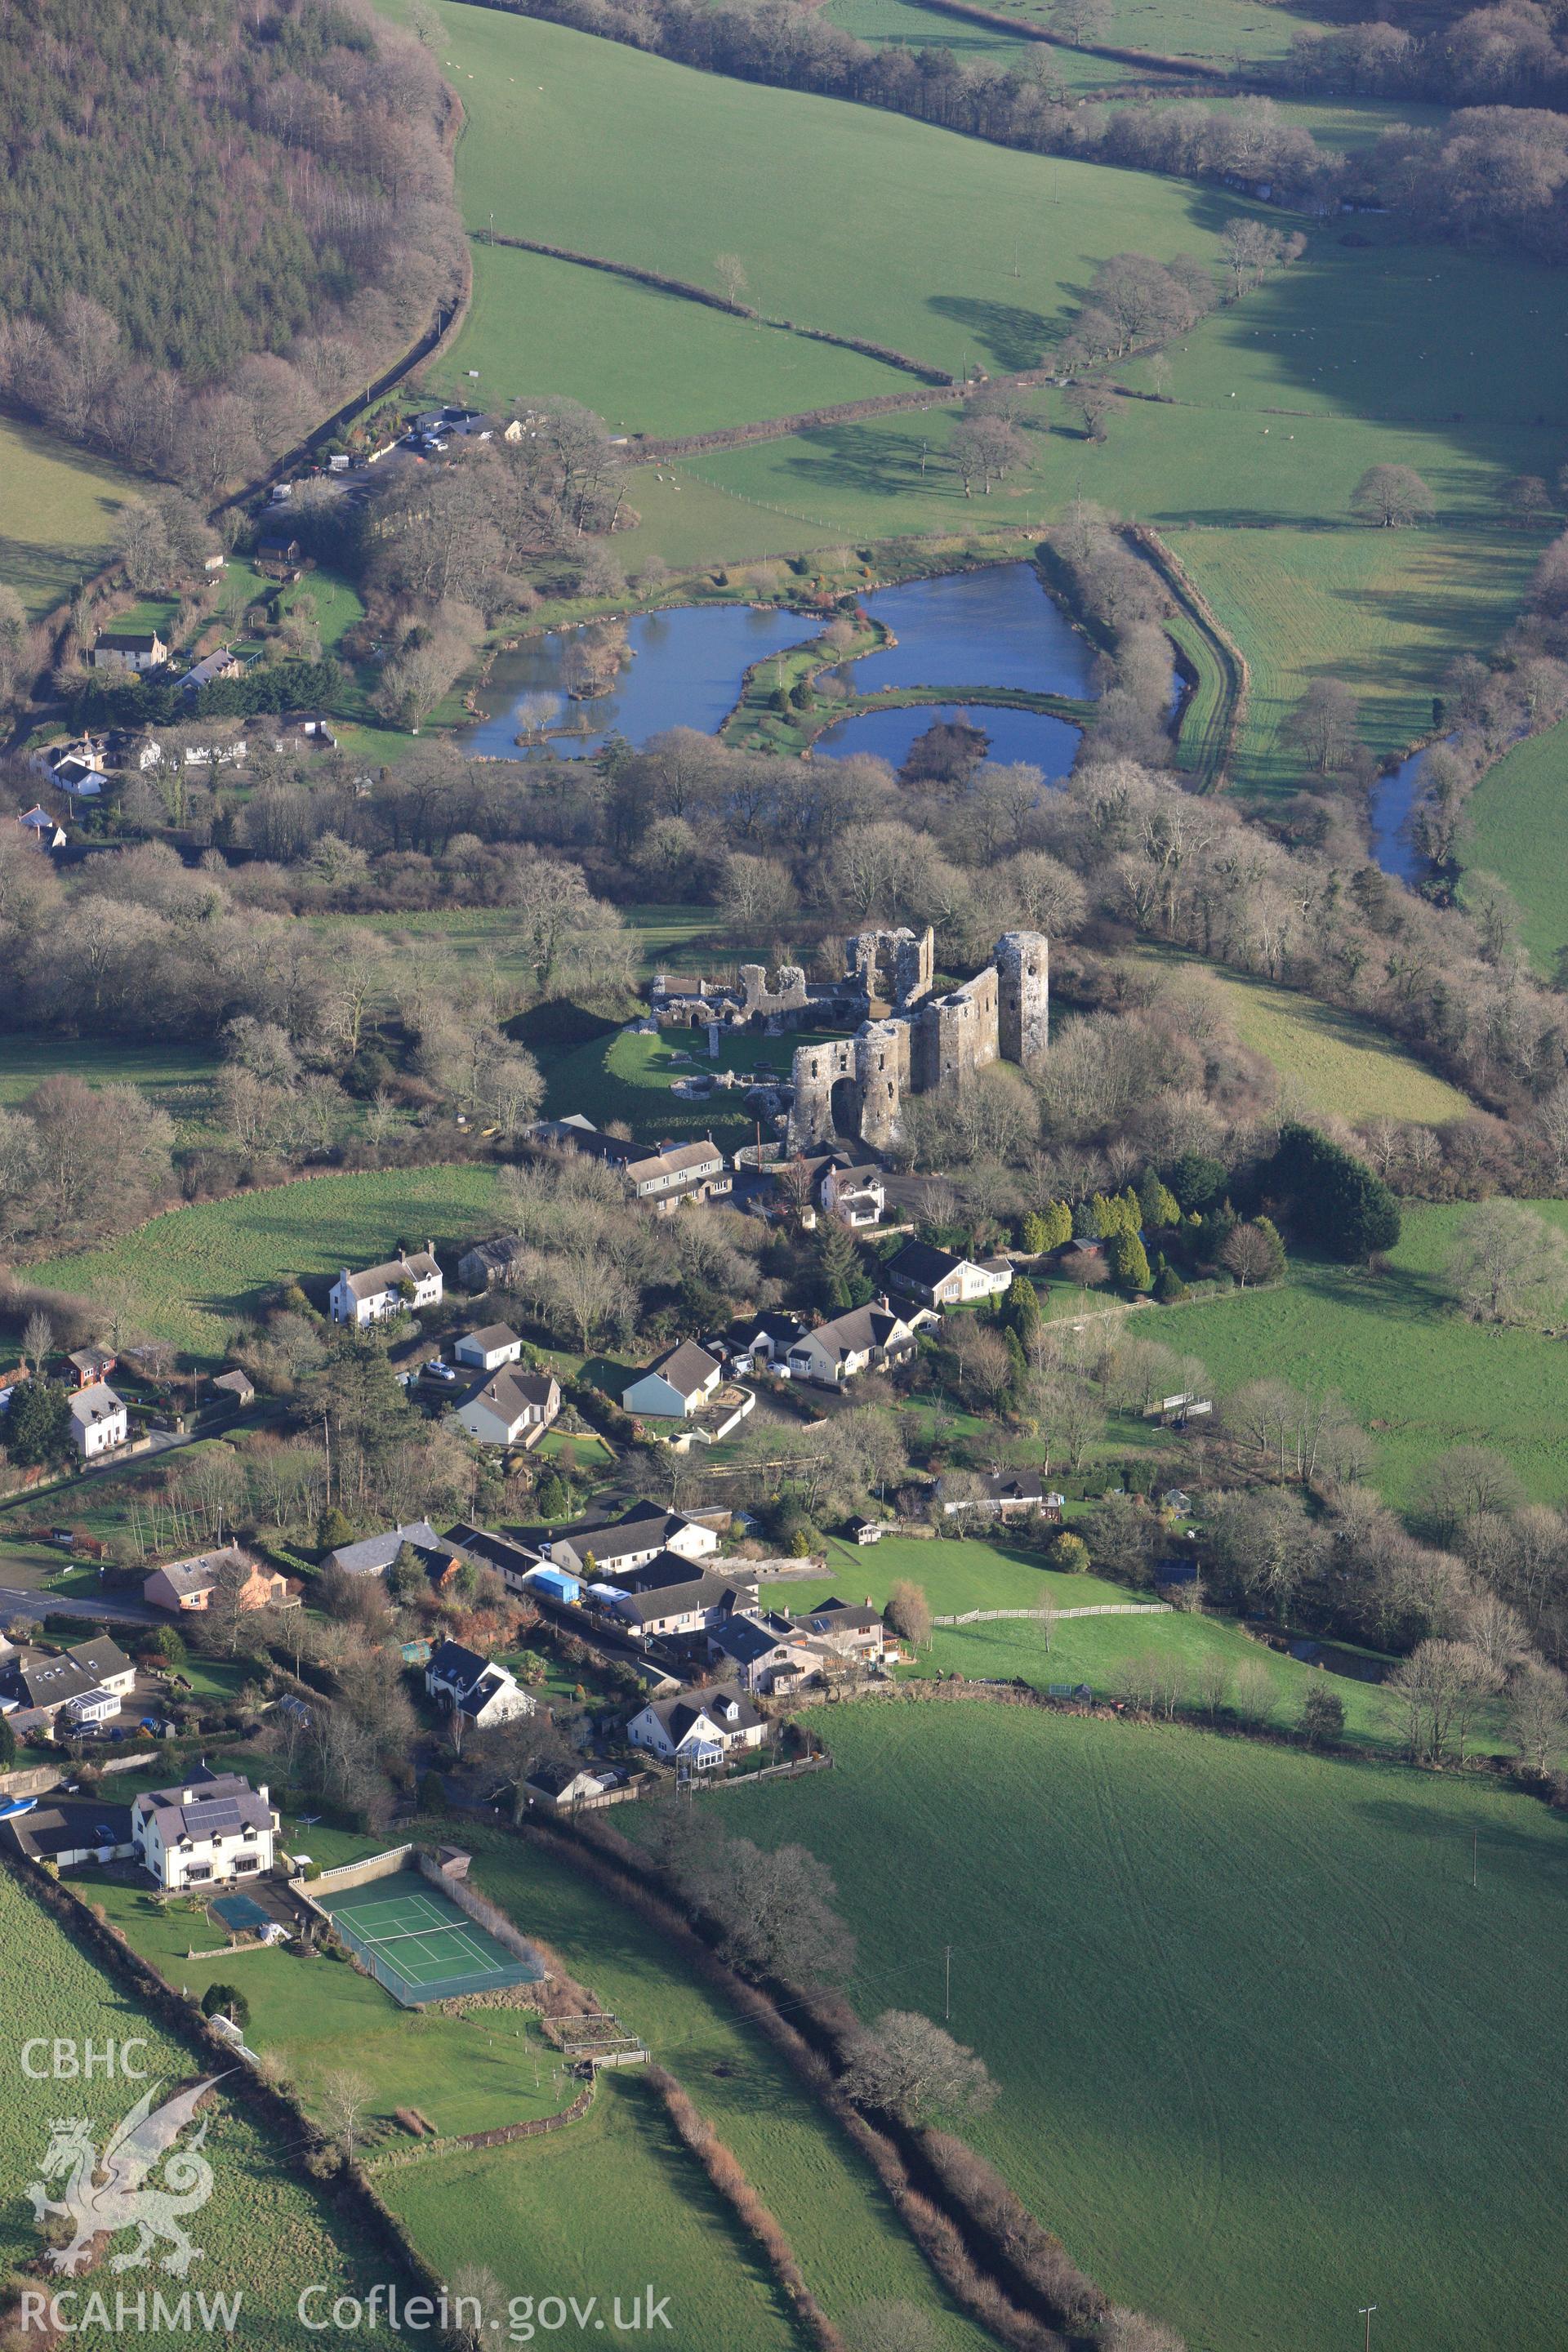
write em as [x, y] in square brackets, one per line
[1023, 971]
[929, 1045]
[787, 993]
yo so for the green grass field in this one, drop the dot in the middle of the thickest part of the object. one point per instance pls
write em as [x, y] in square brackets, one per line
[627, 1077]
[1517, 813]
[1328, 1061]
[175, 1078]
[58, 510]
[1264, 2054]
[864, 222]
[260, 2198]
[1276, 406]
[647, 360]
[970, 1574]
[191, 1274]
[608, 2207]
[1414, 1371]
[544, 2233]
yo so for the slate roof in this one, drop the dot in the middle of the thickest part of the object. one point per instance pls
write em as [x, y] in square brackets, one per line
[688, 1369]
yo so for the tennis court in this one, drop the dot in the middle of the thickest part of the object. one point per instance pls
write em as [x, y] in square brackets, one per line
[419, 1944]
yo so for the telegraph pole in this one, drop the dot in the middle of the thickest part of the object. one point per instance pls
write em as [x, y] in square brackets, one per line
[1365, 2311]
[947, 1984]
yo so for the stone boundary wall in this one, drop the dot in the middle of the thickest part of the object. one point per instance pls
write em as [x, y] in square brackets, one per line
[502, 2136]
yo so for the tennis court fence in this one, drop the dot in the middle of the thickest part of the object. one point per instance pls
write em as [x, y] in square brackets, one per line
[409, 1991]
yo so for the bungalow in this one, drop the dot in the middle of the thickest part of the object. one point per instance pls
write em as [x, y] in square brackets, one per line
[473, 1686]
[374, 1555]
[488, 1350]
[562, 1786]
[698, 1727]
[857, 1633]
[639, 1536]
[857, 1195]
[680, 1382]
[83, 779]
[68, 1835]
[938, 1279]
[99, 1421]
[220, 663]
[693, 1606]
[511, 1407]
[512, 1561]
[190, 1585]
[216, 1827]
[379, 1292]
[129, 649]
[867, 1339]
[43, 1687]
[669, 1570]
[762, 1653]
[1002, 1495]
[43, 827]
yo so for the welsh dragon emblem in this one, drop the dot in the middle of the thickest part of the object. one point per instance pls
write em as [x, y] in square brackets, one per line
[104, 2195]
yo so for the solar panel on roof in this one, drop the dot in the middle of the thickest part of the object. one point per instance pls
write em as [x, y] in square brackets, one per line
[219, 1813]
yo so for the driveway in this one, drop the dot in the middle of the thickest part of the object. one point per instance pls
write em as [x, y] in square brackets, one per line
[16, 1602]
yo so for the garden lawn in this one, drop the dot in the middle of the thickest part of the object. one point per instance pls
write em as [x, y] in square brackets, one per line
[1517, 813]
[1329, 1062]
[1411, 1366]
[1263, 2052]
[648, 361]
[467, 2073]
[190, 1276]
[559, 2217]
[262, 2232]
[955, 1574]
[58, 510]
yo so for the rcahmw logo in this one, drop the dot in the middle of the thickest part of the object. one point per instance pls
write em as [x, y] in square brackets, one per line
[109, 2194]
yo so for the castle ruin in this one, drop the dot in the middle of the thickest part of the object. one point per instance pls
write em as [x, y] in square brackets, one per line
[912, 1043]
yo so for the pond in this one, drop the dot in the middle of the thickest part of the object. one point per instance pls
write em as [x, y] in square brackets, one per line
[1047, 743]
[686, 671]
[996, 626]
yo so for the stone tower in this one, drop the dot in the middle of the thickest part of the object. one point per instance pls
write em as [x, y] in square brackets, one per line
[1024, 972]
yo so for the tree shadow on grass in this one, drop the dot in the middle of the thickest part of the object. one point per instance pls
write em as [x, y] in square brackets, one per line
[1012, 338]
[1546, 1856]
